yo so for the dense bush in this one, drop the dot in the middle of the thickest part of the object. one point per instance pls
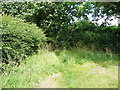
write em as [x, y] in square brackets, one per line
[85, 33]
[57, 21]
[101, 37]
[51, 17]
[54, 18]
[109, 37]
[81, 33]
[15, 9]
[19, 39]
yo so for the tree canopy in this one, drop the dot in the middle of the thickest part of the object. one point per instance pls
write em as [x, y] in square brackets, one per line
[98, 10]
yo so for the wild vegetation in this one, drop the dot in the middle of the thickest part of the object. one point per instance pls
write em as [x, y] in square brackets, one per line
[95, 69]
[19, 39]
[59, 38]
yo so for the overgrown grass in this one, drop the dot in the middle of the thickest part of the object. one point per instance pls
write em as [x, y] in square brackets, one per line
[88, 69]
[91, 75]
[32, 71]
[80, 68]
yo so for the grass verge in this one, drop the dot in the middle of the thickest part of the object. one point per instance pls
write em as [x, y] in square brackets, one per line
[88, 69]
[79, 68]
[31, 71]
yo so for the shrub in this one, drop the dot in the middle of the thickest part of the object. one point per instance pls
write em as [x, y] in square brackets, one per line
[19, 39]
[102, 37]
[85, 33]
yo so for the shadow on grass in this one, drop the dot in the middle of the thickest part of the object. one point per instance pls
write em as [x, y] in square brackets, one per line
[79, 56]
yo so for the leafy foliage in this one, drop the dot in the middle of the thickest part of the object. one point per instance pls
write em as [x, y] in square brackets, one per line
[53, 18]
[101, 37]
[19, 39]
[15, 9]
[85, 33]
[57, 21]
[22, 38]
[100, 10]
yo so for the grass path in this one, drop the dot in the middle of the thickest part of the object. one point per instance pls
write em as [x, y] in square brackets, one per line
[51, 82]
[64, 69]
[59, 80]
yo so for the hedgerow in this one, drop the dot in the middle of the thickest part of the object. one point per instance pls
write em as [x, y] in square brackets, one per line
[19, 39]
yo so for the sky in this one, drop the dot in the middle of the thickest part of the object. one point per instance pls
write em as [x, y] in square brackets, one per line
[113, 22]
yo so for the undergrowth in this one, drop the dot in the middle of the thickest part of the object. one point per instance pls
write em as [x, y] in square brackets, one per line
[31, 71]
[80, 68]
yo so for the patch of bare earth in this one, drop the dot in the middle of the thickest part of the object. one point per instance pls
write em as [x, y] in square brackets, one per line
[52, 82]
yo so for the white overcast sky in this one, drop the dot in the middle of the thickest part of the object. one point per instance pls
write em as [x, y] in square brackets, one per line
[113, 22]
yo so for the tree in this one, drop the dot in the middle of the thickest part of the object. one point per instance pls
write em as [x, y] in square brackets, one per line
[51, 17]
[100, 10]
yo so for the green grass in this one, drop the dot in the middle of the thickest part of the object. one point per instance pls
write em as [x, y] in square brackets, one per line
[31, 72]
[80, 68]
[88, 69]
[90, 75]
